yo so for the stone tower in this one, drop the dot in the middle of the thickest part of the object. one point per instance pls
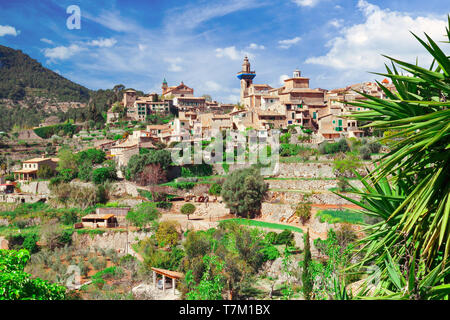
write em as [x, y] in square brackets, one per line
[164, 86]
[129, 97]
[246, 76]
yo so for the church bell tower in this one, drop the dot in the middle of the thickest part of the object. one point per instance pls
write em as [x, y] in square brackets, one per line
[246, 76]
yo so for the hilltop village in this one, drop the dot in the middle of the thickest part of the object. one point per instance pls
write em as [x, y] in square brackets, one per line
[105, 196]
[317, 112]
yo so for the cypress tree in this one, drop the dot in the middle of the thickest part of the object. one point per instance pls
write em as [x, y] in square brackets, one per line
[306, 275]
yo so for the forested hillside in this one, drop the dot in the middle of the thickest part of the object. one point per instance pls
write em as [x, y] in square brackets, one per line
[22, 76]
[29, 93]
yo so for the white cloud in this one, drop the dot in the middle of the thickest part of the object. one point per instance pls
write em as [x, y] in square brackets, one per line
[212, 86]
[359, 47]
[103, 43]
[306, 3]
[256, 46]
[61, 52]
[8, 30]
[192, 16]
[232, 53]
[112, 20]
[286, 44]
[283, 77]
[174, 64]
[47, 41]
[337, 23]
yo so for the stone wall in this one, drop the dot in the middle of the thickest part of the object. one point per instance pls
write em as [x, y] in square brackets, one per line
[316, 198]
[35, 187]
[21, 198]
[109, 240]
[307, 185]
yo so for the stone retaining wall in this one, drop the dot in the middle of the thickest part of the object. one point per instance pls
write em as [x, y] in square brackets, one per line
[35, 187]
[307, 185]
[109, 240]
[316, 198]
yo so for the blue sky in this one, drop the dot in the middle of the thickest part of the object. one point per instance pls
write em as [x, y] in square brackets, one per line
[138, 43]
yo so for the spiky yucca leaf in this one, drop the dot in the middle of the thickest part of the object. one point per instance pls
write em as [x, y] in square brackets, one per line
[415, 203]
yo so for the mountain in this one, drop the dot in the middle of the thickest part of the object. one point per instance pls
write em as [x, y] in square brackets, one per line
[30, 93]
[22, 76]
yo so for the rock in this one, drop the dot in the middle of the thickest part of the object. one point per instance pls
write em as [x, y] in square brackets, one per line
[4, 244]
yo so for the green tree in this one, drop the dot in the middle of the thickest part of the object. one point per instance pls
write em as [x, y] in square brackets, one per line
[85, 171]
[187, 209]
[45, 172]
[212, 282]
[306, 276]
[101, 175]
[138, 162]
[143, 215]
[243, 192]
[93, 156]
[68, 163]
[167, 234]
[15, 284]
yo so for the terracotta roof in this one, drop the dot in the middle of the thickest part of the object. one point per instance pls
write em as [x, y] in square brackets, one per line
[169, 273]
[98, 216]
[262, 85]
[157, 126]
[300, 90]
[25, 171]
[190, 98]
[270, 97]
[35, 160]
[270, 113]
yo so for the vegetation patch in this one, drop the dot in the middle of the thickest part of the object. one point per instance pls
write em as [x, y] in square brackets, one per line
[340, 216]
[263, 224]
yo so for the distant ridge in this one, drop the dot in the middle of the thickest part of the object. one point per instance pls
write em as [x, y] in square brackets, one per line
[21, 76]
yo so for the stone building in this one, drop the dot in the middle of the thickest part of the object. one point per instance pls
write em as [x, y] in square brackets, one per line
[181, 90]
[30, 168]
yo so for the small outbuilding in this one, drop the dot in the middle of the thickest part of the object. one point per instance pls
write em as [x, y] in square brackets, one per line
[173, 275]
[99, 221]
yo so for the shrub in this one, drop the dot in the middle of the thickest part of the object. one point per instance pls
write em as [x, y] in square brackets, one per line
[197, 170]
[365, 152]
[270, 252]
[215, 189]
[303, 211]
[344, 167]
[285, 138]
[374, 146]
[164, 204]
[342, 184]
[29, 242]
[185, 185]
[285, 237]
[330, 148]
[289, 150]
[270, 237]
